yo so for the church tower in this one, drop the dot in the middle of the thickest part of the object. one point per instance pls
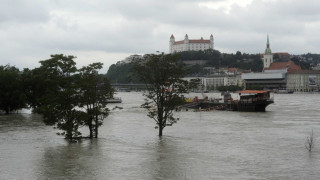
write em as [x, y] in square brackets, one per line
[267, 57]
[171, 43]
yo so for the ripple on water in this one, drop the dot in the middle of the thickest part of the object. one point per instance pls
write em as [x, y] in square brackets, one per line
[206, 145]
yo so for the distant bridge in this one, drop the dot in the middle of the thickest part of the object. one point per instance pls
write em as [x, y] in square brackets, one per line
[130, 86]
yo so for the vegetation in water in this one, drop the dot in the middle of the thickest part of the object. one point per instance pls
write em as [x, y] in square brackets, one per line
[65, 96]
[162, 76]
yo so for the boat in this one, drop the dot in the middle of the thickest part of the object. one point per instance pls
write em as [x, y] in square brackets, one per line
[250, 101]
[114, 100]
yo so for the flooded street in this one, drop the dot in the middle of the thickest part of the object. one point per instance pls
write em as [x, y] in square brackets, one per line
[202, 145]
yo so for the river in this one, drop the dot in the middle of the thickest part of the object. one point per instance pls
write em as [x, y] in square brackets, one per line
[202, 145]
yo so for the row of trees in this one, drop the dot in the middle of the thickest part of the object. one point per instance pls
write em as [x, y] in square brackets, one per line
[65, 96]
[69, 98]
[218, 60]
[12, 96]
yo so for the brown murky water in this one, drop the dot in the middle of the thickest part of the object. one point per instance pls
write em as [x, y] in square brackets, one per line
[206, 145]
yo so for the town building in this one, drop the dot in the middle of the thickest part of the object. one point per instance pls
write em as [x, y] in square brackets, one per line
[282, 67]
[274, 75]
[303, 80]
[213, 82]
[266, 80]
[190, 44]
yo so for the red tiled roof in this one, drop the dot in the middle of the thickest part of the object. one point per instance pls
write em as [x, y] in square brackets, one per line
[232, 69]
[199, 41]
[193, 41]
[283, 65]
[178, 42]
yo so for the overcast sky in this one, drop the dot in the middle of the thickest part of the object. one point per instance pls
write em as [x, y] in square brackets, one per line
[109, 30]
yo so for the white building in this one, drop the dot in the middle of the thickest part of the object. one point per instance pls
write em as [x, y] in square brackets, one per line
[267, 57]
[303, 80]
[212, 83]
[190, 44]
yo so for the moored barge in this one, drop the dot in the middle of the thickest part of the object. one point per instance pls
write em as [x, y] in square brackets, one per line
[250, 101]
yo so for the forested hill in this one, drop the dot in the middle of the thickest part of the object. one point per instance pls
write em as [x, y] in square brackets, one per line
[121, 72]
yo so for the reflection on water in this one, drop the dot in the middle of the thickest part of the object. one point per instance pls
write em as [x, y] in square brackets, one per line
[71, 161]
[205, 145]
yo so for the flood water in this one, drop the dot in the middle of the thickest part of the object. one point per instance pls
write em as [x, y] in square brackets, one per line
[202, 145]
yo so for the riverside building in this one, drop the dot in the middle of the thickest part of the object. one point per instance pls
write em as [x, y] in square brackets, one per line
[274, 75]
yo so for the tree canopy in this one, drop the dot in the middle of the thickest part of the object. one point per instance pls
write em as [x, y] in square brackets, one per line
[12, 96]
[68, 98]
[162, 76]
[95, 89]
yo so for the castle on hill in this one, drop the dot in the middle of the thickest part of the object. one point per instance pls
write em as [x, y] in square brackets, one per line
[190, 44]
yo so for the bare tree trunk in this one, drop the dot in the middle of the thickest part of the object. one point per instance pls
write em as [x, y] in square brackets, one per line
[90, 128]
[160, 129]
[97, 126]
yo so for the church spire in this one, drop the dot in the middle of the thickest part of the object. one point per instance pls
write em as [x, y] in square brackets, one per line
[268, 50]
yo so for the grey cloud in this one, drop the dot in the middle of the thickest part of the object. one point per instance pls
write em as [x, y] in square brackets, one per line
[23, 11]
[34, 28]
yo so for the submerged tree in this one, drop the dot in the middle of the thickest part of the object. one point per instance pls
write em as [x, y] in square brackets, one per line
[95, 89]
[162, 76]
[309, 142]
[12, 96]
[58, 104]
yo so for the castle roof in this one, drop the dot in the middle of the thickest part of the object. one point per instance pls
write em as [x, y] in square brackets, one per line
[193, 41]
[178, 42]
[199, 41]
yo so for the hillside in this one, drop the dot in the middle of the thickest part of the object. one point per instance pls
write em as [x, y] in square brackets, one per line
[121, 72]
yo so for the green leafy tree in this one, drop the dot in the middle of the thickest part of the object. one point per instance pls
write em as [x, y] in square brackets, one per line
[37, 84]
[95, 89]
[58, 104]
[162, 76]
[302, 64]
[12, 95]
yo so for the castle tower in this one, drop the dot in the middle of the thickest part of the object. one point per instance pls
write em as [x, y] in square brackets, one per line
[171, 43]
[186, 42]
[211, 42]
[267, 57]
